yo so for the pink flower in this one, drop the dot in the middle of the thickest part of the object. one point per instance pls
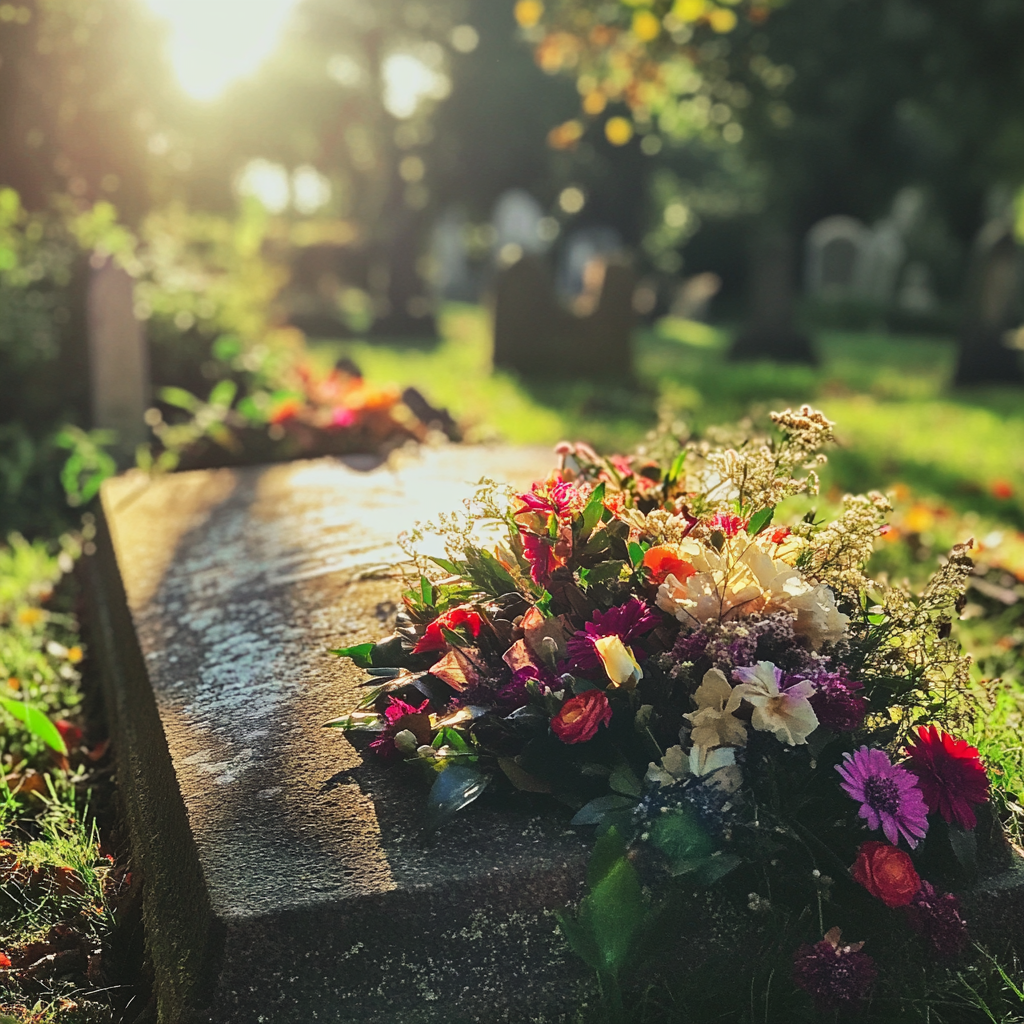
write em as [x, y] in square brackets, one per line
[888, 795]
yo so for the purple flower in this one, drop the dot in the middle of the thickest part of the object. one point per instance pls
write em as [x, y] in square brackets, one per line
[627, 621]
[837, 701]
[691, 646]
[838, 977]
[514, 694]
[936, 916]
[888, 795]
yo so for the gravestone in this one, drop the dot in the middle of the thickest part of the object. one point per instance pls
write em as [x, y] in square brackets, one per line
[835, 251]
[287, 878]
[118, 364]
[771, 331]
[451, 275]
[993, 309]
[536, 336]
[883, 259]
[517, 225]
[582, 248]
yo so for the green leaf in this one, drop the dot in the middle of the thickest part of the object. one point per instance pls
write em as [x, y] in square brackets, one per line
[613, 913]
[965, 848]
[593, 510]
[456, 787]
[367, 721]
[597, 810]
[360, 654]
[636, 554]
[223, 394]
[580, 940]
[609, 570]
[543, 604]
[180, 399]
[451, 567]
[676, 469]
[608, 849]
[427, 591]
[759, 520]
[623, 781]
[36, 723]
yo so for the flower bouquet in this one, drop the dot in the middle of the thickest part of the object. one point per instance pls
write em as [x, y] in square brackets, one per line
[334, 413]
[675, 647]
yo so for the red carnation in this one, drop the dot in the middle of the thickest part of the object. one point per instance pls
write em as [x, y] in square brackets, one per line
[433, 639]
[580, 717]
[887, 873]
[950, 775]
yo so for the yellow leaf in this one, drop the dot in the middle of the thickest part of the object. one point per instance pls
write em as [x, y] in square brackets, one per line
[722, 20]
[646, 26]
[528, 12]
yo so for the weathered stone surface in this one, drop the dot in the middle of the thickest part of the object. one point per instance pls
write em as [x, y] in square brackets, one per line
[286, 877]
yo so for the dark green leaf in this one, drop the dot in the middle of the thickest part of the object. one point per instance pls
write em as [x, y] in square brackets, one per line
[360, 654]
[595, 812]
[759, 520]
[580, 940]
[35, 722]
[604, 571]
[456, 787]
[622, 780]
[965, 849]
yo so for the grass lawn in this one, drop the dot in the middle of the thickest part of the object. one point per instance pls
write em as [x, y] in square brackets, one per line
[898, 421]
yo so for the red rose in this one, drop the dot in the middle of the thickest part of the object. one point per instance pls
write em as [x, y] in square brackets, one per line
[887, 873]
[580, 717]
[433, 639]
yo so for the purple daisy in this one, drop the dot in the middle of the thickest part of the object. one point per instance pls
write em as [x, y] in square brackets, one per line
[626, 621]
[837, 977]
[888, 795]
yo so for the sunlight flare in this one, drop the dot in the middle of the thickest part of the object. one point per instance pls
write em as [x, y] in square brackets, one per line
[215, 42]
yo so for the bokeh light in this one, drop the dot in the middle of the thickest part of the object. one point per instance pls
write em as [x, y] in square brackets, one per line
[215, 42]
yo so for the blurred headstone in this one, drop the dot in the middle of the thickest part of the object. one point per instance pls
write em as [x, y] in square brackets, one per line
[118, 364]
[883, 259]
[536, 336]
[771, 331]
[451, 276]
[993, 309]
[915, 293]
[694, 296]
[580, 249]
[836, 249]
[403, 305]
[526, 317]
[519, 227]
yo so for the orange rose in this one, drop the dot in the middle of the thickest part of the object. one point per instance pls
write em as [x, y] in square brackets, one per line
[664, 561]
[887, 873]
[580, 717]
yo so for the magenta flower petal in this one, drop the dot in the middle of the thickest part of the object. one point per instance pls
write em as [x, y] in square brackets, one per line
[888, 794]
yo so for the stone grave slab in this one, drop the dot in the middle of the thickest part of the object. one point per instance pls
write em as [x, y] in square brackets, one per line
[286, 877]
